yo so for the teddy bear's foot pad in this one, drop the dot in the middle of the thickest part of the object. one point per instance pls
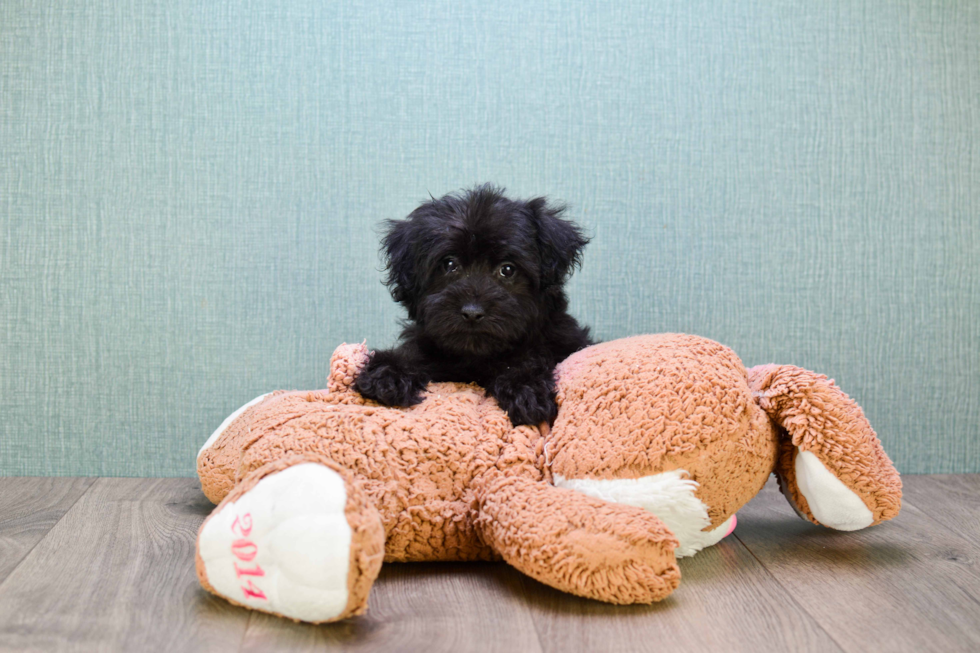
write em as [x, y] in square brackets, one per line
[283, 546]
[831, 502]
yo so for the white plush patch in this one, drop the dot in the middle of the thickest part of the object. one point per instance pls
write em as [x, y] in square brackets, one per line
[669, 496]
[284, 546]
[228, 420]
[830, 501]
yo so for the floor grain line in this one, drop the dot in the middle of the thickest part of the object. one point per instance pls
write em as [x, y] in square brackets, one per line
[248, 622]
[28, 552]
[725, 601]
[952, 501]
[789, 593]
[117, 573]
[899, 586]
[448, 607]
[20, 550]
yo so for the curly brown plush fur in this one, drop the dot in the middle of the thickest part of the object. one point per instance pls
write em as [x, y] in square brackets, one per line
[452, 479]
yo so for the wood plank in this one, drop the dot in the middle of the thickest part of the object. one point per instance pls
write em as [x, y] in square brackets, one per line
[431, 607]
[116, 573]
[29, 508]
[953, 500]
[905, 585]
[726, 602]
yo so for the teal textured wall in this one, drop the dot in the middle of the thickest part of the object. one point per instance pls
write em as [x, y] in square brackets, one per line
[189, 193]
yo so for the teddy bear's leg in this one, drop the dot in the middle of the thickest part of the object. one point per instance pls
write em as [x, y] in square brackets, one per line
[577, 543]
[296, 537]
[219, 457]
[228, 421]
[831, 465]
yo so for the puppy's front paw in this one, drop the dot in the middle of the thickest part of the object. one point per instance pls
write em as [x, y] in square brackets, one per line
[384, 381]
[527, 404]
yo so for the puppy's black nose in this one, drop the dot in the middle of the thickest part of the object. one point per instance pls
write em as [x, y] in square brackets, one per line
[472, 312]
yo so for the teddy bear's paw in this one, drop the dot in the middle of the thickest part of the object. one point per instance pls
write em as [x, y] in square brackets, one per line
[228, 422]
[283, 546]
[831, 502]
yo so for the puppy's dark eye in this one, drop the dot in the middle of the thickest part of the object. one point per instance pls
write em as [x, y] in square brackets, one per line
[450, 265]
[507, 270]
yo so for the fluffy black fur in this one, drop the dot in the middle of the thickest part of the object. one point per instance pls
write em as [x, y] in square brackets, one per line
[481, 276]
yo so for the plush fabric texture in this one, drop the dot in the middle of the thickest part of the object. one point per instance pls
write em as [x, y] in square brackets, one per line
[577, 543]
[648, 404]
[820, 418]
[668, 495]
[452, 479]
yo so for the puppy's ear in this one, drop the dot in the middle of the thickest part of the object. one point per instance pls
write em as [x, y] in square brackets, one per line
[560, 242]
[398, 245]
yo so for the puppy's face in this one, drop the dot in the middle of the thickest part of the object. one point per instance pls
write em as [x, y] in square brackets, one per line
[478, 272]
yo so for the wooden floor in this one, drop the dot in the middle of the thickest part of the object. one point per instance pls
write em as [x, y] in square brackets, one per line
[107, 565]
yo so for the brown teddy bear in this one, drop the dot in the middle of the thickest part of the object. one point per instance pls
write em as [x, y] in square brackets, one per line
[659, 440]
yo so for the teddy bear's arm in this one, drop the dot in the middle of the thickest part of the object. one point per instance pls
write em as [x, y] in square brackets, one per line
[576, 543]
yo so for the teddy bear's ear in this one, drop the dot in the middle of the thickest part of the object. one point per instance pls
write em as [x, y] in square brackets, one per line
[346, 362]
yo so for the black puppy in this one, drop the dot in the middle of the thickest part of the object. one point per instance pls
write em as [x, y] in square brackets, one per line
[481, 276]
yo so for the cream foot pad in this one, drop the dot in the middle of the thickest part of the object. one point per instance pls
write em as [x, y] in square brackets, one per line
[284, 546]
[832, 503]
